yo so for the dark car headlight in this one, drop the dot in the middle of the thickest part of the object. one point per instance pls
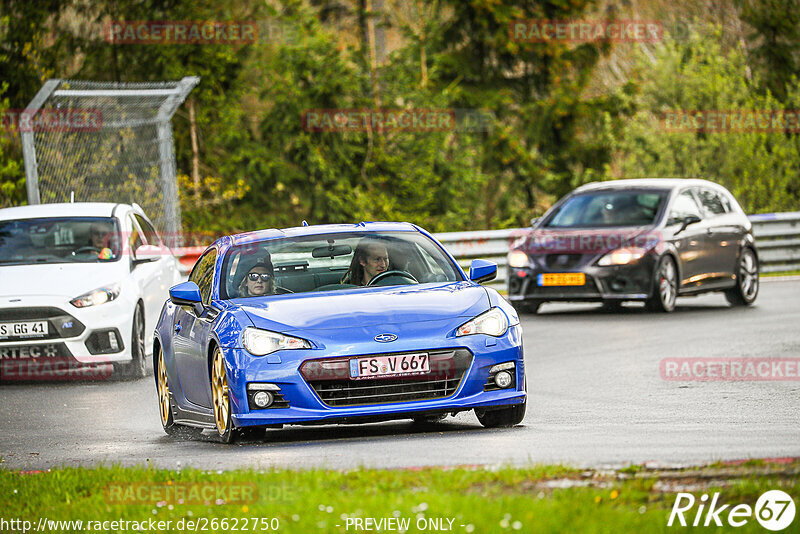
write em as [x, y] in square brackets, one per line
[518, 259]
[262, 342]
[622, 256]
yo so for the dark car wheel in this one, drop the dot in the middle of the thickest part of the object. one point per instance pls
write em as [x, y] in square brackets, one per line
[136, 368]
[504, 417]
[665, 286]
[221, 399]
[165, 402]
[527, 306]
[745, 291]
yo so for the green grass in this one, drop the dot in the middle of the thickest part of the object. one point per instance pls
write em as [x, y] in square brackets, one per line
[532, 499]
[786, 273]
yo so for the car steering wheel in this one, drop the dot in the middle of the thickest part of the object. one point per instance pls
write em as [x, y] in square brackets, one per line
[86, 249]
[386, 274]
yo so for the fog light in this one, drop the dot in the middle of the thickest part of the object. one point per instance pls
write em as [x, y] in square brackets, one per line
[503, 379]
[263, 399]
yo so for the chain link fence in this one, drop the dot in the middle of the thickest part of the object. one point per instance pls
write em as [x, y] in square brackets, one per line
[106, 142]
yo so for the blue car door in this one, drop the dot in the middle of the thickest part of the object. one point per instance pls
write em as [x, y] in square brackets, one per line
[191, 332]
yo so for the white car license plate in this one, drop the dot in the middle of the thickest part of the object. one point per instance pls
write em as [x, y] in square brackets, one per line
[31, 329]
[400, 364]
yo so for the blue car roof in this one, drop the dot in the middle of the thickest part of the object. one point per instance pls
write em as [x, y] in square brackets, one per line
[299, 231]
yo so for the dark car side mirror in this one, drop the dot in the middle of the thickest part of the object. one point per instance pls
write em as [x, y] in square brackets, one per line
[481, 271]
[691, 219]
[187, 294]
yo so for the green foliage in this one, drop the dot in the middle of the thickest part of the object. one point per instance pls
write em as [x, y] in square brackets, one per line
[556, 126]
[760, 168]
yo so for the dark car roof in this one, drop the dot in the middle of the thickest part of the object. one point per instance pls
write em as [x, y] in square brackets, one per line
[645, 183]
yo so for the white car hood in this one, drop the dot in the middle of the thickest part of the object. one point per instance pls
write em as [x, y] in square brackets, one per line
[57, 279]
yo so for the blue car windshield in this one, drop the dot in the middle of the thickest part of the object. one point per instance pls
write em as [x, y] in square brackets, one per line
[329, 262]
[59, 240]
[599, 209]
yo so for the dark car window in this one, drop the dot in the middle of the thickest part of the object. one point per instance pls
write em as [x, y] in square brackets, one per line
[711, 201]
[606, 208]
[203, 274]
[684, 206]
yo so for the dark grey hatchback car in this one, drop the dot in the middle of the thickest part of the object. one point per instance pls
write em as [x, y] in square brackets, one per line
[649, 240]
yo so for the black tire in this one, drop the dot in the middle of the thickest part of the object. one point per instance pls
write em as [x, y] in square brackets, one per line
[665, 286]
[226, 432]
[171, 428]
[745, 291]
[502, 418]
[527, 306]
[137, 367]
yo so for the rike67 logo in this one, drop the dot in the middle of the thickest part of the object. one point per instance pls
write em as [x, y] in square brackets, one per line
[774, 510]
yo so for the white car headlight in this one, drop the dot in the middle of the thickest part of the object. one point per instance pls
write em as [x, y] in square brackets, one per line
[492, 323]
[517, 258]
[98, 296]
[622, 256]
[262, 342]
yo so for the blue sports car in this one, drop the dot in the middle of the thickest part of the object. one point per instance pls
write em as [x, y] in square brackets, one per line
[335, 324]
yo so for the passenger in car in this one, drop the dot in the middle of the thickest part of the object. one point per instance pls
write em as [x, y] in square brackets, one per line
[260, 280]
[370, 258]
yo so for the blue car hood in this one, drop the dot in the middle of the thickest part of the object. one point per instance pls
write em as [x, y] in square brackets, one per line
[343, 309]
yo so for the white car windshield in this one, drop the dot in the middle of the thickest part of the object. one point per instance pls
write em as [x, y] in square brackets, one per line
[59, 240]
[331, 262]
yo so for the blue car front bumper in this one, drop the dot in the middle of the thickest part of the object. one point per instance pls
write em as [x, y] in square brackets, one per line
[306, 406]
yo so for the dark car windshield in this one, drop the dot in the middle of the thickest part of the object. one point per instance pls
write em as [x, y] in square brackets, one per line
[328, 262]
[600, 209]
[59, 240]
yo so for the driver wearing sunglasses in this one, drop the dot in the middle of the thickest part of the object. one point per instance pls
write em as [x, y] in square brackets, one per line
[260, 280]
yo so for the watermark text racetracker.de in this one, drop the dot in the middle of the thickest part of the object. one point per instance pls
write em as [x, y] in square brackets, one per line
[52, 120]
[400, 120]
[584, 30]
[185, 524]
[731, 120]
[730, 369]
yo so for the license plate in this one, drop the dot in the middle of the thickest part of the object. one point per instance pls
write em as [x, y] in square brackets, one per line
[562, 279]
[396, 365]
[30, 329]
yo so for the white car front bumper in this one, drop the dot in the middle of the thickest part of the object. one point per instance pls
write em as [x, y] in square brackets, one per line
[63, 341]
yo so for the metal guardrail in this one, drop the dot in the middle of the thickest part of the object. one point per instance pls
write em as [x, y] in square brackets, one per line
[777, 238]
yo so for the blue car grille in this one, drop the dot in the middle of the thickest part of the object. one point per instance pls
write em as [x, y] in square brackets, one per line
[335, 388]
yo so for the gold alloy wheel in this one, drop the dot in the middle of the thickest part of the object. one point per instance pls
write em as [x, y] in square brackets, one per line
[219, 391]
[163, 389]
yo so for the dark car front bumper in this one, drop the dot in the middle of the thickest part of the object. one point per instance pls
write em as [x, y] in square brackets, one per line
[618, 282]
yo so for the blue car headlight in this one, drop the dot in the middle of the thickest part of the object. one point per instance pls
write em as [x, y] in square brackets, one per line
[262, 342]
[492, 322]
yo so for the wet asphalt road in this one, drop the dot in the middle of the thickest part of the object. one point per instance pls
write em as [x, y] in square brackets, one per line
[596, 398]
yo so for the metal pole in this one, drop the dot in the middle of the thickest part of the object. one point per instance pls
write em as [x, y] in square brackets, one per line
[28, 146]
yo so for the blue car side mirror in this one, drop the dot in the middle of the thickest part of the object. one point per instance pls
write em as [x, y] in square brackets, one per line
[482, 271]
[185, 294]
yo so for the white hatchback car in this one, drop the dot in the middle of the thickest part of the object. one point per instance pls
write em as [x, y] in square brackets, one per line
[80, 283]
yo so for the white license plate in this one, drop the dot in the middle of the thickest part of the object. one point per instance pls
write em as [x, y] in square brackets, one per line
[31, 329]
[400, 364]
